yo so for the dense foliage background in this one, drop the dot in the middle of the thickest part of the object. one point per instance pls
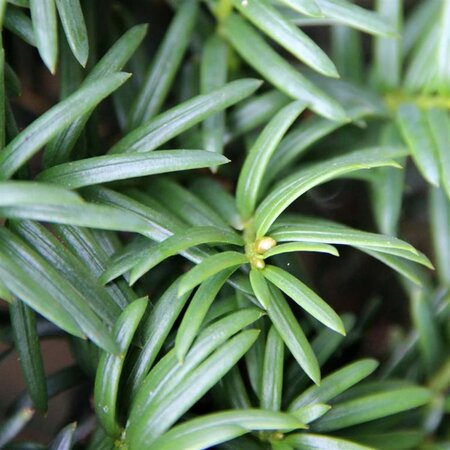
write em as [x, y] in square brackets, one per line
[227, 229]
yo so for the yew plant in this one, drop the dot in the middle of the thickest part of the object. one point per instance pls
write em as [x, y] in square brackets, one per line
[164, 217]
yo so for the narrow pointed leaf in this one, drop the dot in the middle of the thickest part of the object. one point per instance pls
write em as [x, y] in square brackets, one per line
[173, 122]
[301, 247]
[102, 169]
[209, 267]
[64, 439]
[30, 140]
[312, 441]
[257, 161]
[439, 123]
[310, 413]
[296, 185]
[74, 27]
[45, 26]
[154, 332]
[272, 376]
[334, 384]
[159, 417]
[200, 433]
[417, 134]
[443, 63]
[20, 24]
[23, 322]
[196, 312]
[260, 287]
[286, 34]
[63, 293]
[14, 423]
[305, 297]
[110, 367]
[289, 329]
[256, 52]
[60, 147]
[178, 242]
[213, 75]
[373, 406]
[165, 65]
[307, 7]
[354, 16]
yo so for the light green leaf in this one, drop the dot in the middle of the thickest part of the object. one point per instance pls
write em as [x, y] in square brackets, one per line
[209, 267]
[439, 206]
[102, 169]
[159, 416]
[213, 75]
[304, 297]
[394, 440]
[439, 123]
[301, 247]
[417, 134]
[60, 147]
[110, 367]
[74, 27]
[272, 376]
[372, 406]
[65, 438]
[260, 287]
[310, 413]
[286, 34]
[45, 27]
[161, 73]
[318, 442]
[154, 332]
[20, 24]
[347, 53]
[256, 52]
[179, 242]
[204, 432]
[443, 50]
[23, 323]
[173, 122]
[387, 51]
[342, 11]
[257, 161]
[307, 7]
[30, 140]
[196, 312]
[305, 179]
[334, 384]
[289, 329]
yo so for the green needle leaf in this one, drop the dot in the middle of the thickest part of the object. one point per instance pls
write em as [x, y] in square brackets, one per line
[179, 242]
[272, 376]
[102, 169]
[110, 367]
[14, 423]
[209, 267]
[23, 322]
[286, 34]
[417, 134]
[45, 26]
[304, 297]
[173, 122]
[204, 432]
[372, 407]
[335, 384]
[158, 417]
[74, 27]
[260, 287]
[290, 331]
[257, 161]
[312, 441]
[301, 247]
[305, 179]
[161, 73]
[196, 312]
[30, 140]
[65, 438]
[307, 7]
[256, 52]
